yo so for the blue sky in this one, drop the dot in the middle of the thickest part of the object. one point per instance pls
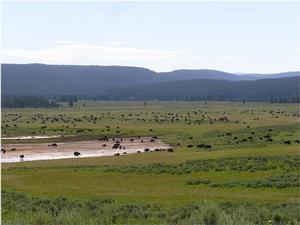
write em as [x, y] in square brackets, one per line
[258, 37]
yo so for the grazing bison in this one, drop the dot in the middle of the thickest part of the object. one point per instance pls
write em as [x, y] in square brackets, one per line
[138, 151]
[203, 146]
[157, 150]
[287, 142]
[297, 141]
[76, 154]
[3, 150]
[152, 140]
[190, 146]
[170, 150]
[54, 145]
[117, 154]
[104, 145]
[124, 153]
[115, 146]
[13, 149]
[131, 140]
[103, 139]
[147, 150]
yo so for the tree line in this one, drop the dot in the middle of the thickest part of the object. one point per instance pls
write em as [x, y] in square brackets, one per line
[23, 101]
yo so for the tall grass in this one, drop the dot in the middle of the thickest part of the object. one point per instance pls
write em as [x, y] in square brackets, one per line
[18, 209]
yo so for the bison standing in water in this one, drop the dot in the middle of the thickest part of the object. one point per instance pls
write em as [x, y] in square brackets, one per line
[21, 157]
[116, 146]
[76, 154]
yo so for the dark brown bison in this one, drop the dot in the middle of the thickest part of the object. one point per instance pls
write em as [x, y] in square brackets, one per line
[115, 146]
[76, 154]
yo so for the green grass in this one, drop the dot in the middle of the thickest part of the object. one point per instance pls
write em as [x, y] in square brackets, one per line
[160, 179]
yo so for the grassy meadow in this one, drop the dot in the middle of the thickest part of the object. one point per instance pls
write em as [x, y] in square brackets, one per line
[232, 163]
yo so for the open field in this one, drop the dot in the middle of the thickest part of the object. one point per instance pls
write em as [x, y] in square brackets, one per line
[232, 163]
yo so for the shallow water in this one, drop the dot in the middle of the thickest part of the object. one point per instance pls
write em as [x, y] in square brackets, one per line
[29, 137]
[65, 150]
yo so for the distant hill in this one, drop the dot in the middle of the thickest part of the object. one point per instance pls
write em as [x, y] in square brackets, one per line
[39, 79]
[54, 80]
[280, 89]
[199, 74]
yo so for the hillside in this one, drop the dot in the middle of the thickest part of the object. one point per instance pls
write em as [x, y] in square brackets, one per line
[119, 82]
[281, 89]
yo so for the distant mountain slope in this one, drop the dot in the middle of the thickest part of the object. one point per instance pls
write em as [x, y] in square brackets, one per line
[39, 79]
[199, 74]
[53, 80]
[285, 89]
[270, 76]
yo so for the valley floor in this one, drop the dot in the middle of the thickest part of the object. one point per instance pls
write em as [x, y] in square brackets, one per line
[248, 175]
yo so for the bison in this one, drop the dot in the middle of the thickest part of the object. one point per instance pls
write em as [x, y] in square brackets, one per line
[115, 146]
[76, 154]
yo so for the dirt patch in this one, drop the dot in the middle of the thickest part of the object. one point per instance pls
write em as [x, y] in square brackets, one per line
[94, 148]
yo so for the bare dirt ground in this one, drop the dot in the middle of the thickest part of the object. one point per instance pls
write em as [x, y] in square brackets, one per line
[95, 148]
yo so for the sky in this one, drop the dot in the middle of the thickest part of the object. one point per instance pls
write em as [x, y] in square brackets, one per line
[238, 37]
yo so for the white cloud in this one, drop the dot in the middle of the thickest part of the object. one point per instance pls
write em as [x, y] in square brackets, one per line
[87, 54]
